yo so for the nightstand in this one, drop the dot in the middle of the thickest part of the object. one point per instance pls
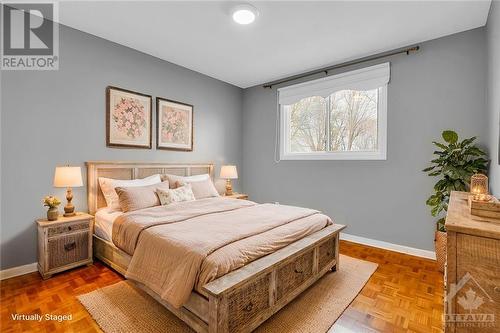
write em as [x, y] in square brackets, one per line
[64, 244]
[237, 196]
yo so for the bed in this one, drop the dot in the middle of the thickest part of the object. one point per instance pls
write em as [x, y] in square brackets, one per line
[240, 300]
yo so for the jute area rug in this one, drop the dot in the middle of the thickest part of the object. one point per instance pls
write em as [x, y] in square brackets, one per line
[124, 308]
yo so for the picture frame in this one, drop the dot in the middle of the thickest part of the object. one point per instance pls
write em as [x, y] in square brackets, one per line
[174, 125]
[129, 119]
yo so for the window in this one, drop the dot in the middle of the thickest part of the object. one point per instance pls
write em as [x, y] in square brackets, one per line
[338, 117]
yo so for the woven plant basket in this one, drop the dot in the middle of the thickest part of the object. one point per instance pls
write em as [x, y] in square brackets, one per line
[440, 245]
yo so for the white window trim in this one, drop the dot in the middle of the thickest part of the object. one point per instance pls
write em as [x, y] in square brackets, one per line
[380, 154]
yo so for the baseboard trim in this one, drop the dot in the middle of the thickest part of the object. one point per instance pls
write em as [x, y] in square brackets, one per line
[19, 270]
[389, 246]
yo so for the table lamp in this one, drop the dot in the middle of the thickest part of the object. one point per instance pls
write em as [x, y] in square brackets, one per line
[68, 177]
[228, 172]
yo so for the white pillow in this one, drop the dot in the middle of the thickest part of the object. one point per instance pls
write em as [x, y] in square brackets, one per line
[108, 186]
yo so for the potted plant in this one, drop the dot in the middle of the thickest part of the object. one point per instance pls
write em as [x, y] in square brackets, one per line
[52, 202]
[455, 163]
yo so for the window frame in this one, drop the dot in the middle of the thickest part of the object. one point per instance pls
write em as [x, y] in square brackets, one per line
[380, 154]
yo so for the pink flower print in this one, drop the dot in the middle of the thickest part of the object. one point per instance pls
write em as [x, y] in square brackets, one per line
[175, 125]
[130, 117]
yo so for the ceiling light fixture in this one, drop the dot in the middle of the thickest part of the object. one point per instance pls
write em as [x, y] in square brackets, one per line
[245, 14]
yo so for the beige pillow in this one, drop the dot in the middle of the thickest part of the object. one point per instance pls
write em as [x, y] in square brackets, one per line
[183, 193]
[139, 197]
[183, 179]
[201, 188]
[108, 186]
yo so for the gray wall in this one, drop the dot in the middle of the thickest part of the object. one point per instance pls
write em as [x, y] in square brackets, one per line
[54, 118]
[442, 86]
[58, 117]
[493, 40]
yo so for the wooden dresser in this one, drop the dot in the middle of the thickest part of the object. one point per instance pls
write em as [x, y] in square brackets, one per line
[472, 274]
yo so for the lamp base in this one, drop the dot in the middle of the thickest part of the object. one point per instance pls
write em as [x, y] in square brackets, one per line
[69, 209]
[229, 187]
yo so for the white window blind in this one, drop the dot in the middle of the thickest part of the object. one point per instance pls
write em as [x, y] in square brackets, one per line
[362, 79]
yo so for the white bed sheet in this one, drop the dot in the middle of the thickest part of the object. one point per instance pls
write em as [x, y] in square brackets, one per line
[103, 223]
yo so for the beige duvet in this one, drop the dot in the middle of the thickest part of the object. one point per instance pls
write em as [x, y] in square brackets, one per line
[181, 247]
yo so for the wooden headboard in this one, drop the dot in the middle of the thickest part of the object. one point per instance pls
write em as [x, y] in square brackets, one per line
[133, 170]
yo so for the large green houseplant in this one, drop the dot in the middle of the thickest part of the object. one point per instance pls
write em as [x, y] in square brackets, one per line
[456, 161]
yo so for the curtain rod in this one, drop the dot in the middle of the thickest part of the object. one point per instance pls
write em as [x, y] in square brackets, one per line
[406, 51]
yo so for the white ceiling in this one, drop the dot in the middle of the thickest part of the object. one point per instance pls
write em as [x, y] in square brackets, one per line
[286, 39]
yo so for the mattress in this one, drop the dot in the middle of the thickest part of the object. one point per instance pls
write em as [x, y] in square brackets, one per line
[103, 222]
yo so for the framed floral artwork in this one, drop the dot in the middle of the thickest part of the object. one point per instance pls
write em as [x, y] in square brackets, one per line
[128, 118]
[174, 125]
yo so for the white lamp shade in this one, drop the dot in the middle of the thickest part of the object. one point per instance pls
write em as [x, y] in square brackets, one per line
[68, 177]
[228, 172]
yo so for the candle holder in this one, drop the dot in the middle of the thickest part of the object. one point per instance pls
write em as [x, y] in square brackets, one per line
[480, 202]
[479, 187]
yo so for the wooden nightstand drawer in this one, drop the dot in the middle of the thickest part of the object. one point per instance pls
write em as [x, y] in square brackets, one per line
[68, 249]
[64, 229]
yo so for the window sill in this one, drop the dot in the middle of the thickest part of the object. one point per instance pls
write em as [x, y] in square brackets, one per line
[345, 156]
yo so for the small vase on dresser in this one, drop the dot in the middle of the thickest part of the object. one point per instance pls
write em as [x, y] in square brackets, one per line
[52, 202]
[52, 214]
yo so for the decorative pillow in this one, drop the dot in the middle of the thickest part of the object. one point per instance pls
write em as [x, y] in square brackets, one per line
[183, 193]
[139, 197]
[108, 186]
[174, 178]
[201, 188]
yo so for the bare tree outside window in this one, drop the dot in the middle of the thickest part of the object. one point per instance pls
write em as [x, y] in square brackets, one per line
[344, 121]
[353, 120]
[308, 119]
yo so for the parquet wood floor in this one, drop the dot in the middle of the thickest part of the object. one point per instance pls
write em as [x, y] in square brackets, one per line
[405, 294]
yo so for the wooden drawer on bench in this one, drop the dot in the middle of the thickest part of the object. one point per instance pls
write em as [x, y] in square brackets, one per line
[293, 274]
[248, 302]
[326, 253]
